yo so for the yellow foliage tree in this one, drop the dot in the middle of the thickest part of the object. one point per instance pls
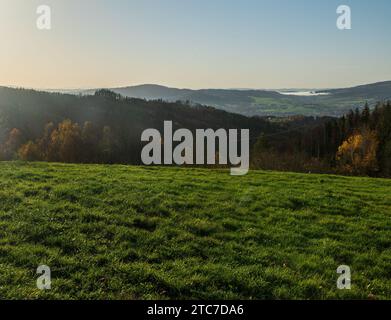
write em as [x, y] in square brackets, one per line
[66, 142]
[358, 154]
[29, 152]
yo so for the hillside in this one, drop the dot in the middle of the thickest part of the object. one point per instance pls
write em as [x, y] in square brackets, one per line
[119, 232]
[379, 91]
[334, 102]
[31, 110]
[31, 113]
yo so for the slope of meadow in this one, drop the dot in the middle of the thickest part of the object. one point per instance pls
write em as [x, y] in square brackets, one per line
[121, 232]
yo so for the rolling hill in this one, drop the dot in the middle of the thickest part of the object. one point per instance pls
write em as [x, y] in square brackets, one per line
[333, 102]
[30, 111]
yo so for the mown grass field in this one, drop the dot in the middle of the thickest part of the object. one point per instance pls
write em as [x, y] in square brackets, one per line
[118, 232]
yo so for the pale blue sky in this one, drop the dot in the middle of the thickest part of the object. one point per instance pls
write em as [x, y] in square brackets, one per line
[195, 43]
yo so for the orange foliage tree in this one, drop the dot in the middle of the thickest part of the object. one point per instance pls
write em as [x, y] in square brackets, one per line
[66, 143]
[358, 154]
[29, 152]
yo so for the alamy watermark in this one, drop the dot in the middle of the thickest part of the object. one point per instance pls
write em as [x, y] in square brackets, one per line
[344, 21]
[192, 151]
[44, 20]
[344, 281]
[44, 281]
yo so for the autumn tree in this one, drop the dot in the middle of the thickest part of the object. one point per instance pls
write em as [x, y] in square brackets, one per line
[66, 143]
[358, 154]
[44, 143]
[29, 152]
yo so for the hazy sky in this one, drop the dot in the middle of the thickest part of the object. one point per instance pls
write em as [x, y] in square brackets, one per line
[194, 43]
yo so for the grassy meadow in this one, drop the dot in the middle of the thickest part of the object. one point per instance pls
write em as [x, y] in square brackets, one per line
[122, 232]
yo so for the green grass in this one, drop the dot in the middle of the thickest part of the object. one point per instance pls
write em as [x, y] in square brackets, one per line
[119, 232]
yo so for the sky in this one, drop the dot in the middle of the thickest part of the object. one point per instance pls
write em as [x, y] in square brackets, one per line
[261, 44]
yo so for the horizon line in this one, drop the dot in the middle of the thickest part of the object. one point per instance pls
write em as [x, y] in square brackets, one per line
[82, 88]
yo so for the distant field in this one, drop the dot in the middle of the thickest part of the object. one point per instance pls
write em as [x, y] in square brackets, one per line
[309, 106]
[118, 232]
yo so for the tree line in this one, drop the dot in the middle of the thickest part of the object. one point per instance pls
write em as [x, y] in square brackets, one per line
[102, 128]
[67, 142]
[356, 143]
[106, 128]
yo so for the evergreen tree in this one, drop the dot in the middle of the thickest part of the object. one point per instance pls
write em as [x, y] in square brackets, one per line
[365, 115]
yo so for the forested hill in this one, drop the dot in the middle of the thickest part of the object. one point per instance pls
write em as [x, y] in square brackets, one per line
[107, 127]
[31, 110]
[377, 91]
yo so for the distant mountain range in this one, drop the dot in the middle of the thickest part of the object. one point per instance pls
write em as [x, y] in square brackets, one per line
[332, 102]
